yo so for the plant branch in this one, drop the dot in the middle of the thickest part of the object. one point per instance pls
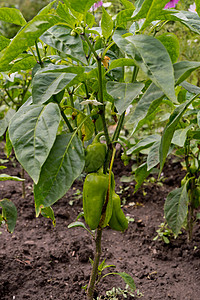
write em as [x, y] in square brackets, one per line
[90, 290]
[38, 54]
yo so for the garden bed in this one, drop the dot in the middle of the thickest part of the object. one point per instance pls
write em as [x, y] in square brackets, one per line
[39, 261]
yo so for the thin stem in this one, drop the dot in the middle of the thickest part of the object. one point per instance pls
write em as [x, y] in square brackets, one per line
[23, 185]
[135, 73]
[38, 54]
[63, 115]
[90, 290]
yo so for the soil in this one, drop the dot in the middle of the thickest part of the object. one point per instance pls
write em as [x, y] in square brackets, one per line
[40, 261]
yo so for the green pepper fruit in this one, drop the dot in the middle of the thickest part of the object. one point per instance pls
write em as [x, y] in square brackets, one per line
[94, 195]
[95, 155]
[118, 220]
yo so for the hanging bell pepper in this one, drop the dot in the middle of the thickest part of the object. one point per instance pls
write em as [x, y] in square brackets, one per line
[95, 155]
[118, 220]
[95, 190]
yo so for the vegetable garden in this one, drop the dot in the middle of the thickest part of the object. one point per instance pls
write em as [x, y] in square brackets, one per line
[100, 151]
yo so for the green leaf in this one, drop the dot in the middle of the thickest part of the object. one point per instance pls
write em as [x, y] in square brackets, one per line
[64, 12]
[153, 156]
[197, 7]
[81, 6]
[12, 15]
[77, 224]
[106, 24]
[143, 144]
[148, 103]
[180, 136]
[140, 175]
[87, 129]
[5, 121]
[2, 167]
[121, 62]
[51, 80]
[63, 165]
[170, 128]
[4, 42]
[25, 62]
[4, 177]
[60, 38]
[123, 93]
[152, 57]
[183, 69]
[8, 144]
[9, 213]
[127, 4]
[32, 132]
[45, 10]
[176, 208]
[153, 11]
[26, 37]
[127, 279]
[48, 213]
[148, 9]
[193, 89]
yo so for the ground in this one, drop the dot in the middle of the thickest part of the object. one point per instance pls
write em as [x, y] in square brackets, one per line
[40, 261]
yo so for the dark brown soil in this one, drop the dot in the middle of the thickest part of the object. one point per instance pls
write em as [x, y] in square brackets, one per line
[39, 261]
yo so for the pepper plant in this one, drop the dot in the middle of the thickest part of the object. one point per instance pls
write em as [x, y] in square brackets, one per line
[85, 75]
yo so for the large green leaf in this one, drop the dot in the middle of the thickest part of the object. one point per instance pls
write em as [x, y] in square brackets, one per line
[143, 144]
[153, 95]
[189, 19]
[60, 38]
[51, 80]
[5, 121]
[106, 24]
[26, 37]
[9, 213]
[81, 6]
[45, 10]
[148, 9]
[32, 132]
[183, 69]
[123, 93]
[64, 164]
[170, 128]
[152, 57]
[176, 208]
[64, 12]
[12, 15]
[4, 42]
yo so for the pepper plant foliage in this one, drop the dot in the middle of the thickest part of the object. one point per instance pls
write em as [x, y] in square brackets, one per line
[85, 72]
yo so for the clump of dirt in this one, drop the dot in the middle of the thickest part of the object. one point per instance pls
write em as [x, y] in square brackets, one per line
[40, 261]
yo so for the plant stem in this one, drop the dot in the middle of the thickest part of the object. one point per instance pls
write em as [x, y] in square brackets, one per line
[63, 115]
[23, 184]
[38, 54]
[90, 290]
[135, 73]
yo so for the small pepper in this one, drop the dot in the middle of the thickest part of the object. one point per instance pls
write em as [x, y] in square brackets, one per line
[95, 155]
